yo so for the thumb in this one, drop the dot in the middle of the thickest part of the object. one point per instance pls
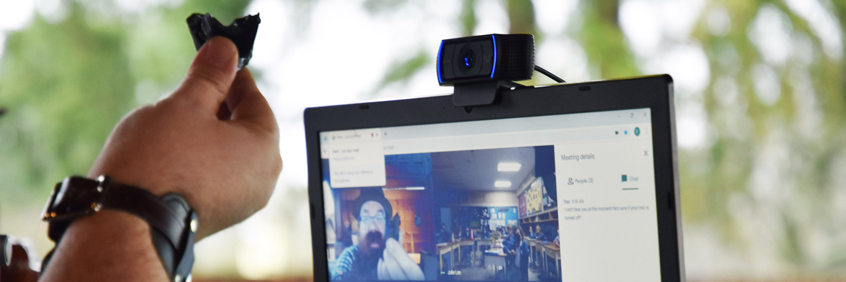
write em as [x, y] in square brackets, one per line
[210, 75]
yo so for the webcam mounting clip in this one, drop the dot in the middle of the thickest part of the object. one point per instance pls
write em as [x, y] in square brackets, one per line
[481, 93]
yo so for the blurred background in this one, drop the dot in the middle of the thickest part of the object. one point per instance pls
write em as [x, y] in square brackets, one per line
[760, 106]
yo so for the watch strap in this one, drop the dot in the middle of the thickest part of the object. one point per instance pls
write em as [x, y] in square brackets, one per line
[176, 259]
[177, 264]
[168, 215]
[172, 222]
[186, 262]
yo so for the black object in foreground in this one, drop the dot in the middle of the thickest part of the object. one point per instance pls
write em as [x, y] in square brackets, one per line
[242, 32]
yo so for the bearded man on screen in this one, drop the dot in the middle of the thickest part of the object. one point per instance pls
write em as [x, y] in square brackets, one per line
[376, 256]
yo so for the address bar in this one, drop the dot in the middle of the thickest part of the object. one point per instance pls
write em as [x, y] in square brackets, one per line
[512, 139]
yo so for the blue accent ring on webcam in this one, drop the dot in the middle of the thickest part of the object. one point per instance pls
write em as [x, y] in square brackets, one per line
[493, 38]
[440, 50]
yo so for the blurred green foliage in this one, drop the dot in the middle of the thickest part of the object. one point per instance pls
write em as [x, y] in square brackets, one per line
[66, 84]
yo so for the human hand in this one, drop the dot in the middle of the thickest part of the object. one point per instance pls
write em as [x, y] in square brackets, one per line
[395, 264]
[214, 141]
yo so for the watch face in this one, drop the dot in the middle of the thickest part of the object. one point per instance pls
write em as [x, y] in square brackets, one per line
[73, 197]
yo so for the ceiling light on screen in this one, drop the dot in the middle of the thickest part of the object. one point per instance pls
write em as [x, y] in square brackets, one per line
[414, 188]
[508, 166]
[502, 184]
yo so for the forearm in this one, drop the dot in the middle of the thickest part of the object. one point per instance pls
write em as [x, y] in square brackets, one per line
[107, 246]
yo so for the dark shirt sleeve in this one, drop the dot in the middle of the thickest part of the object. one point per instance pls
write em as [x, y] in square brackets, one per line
[508, 243]
[343, 270]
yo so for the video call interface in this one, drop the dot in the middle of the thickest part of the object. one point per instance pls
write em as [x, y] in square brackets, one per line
[552, 198]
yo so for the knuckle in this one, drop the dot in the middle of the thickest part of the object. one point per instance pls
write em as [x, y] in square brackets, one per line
[141, 111]
[182, 103]
[262, 203]
[134, 117]
[179, 103]
[212, 78]
[277, 164]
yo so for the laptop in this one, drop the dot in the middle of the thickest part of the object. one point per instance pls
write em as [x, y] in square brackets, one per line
[571, 182]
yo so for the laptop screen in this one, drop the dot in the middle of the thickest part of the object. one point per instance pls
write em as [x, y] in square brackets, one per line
[550, 198]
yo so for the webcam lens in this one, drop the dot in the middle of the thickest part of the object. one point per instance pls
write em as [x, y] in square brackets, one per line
[468, 59]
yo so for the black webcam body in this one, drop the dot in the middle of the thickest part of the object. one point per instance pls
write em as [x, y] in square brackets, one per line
[493, 57]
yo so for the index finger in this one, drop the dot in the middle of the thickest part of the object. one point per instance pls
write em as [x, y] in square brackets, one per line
[393, 267]
[402, 258]
[394, 247]
[381, 273]
[248, 105]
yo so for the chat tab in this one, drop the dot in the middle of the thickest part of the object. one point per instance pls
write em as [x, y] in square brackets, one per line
[356, 158]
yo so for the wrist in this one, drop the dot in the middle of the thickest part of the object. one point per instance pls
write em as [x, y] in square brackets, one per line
[158, 185]
[113, 244]
[109, 221]
[153, 182]
[166, 224]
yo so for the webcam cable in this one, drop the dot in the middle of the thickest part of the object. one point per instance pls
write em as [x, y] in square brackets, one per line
[549, 74]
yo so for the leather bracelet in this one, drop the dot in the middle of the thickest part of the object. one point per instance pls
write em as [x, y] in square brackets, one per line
[173, 224]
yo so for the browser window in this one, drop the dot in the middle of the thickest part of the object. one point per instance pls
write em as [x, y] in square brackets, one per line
[550, 198]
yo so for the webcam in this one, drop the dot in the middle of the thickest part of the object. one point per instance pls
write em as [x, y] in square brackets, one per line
[480, 67]
[494, 57]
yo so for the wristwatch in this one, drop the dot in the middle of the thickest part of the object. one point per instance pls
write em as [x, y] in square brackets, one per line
[173, 223]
